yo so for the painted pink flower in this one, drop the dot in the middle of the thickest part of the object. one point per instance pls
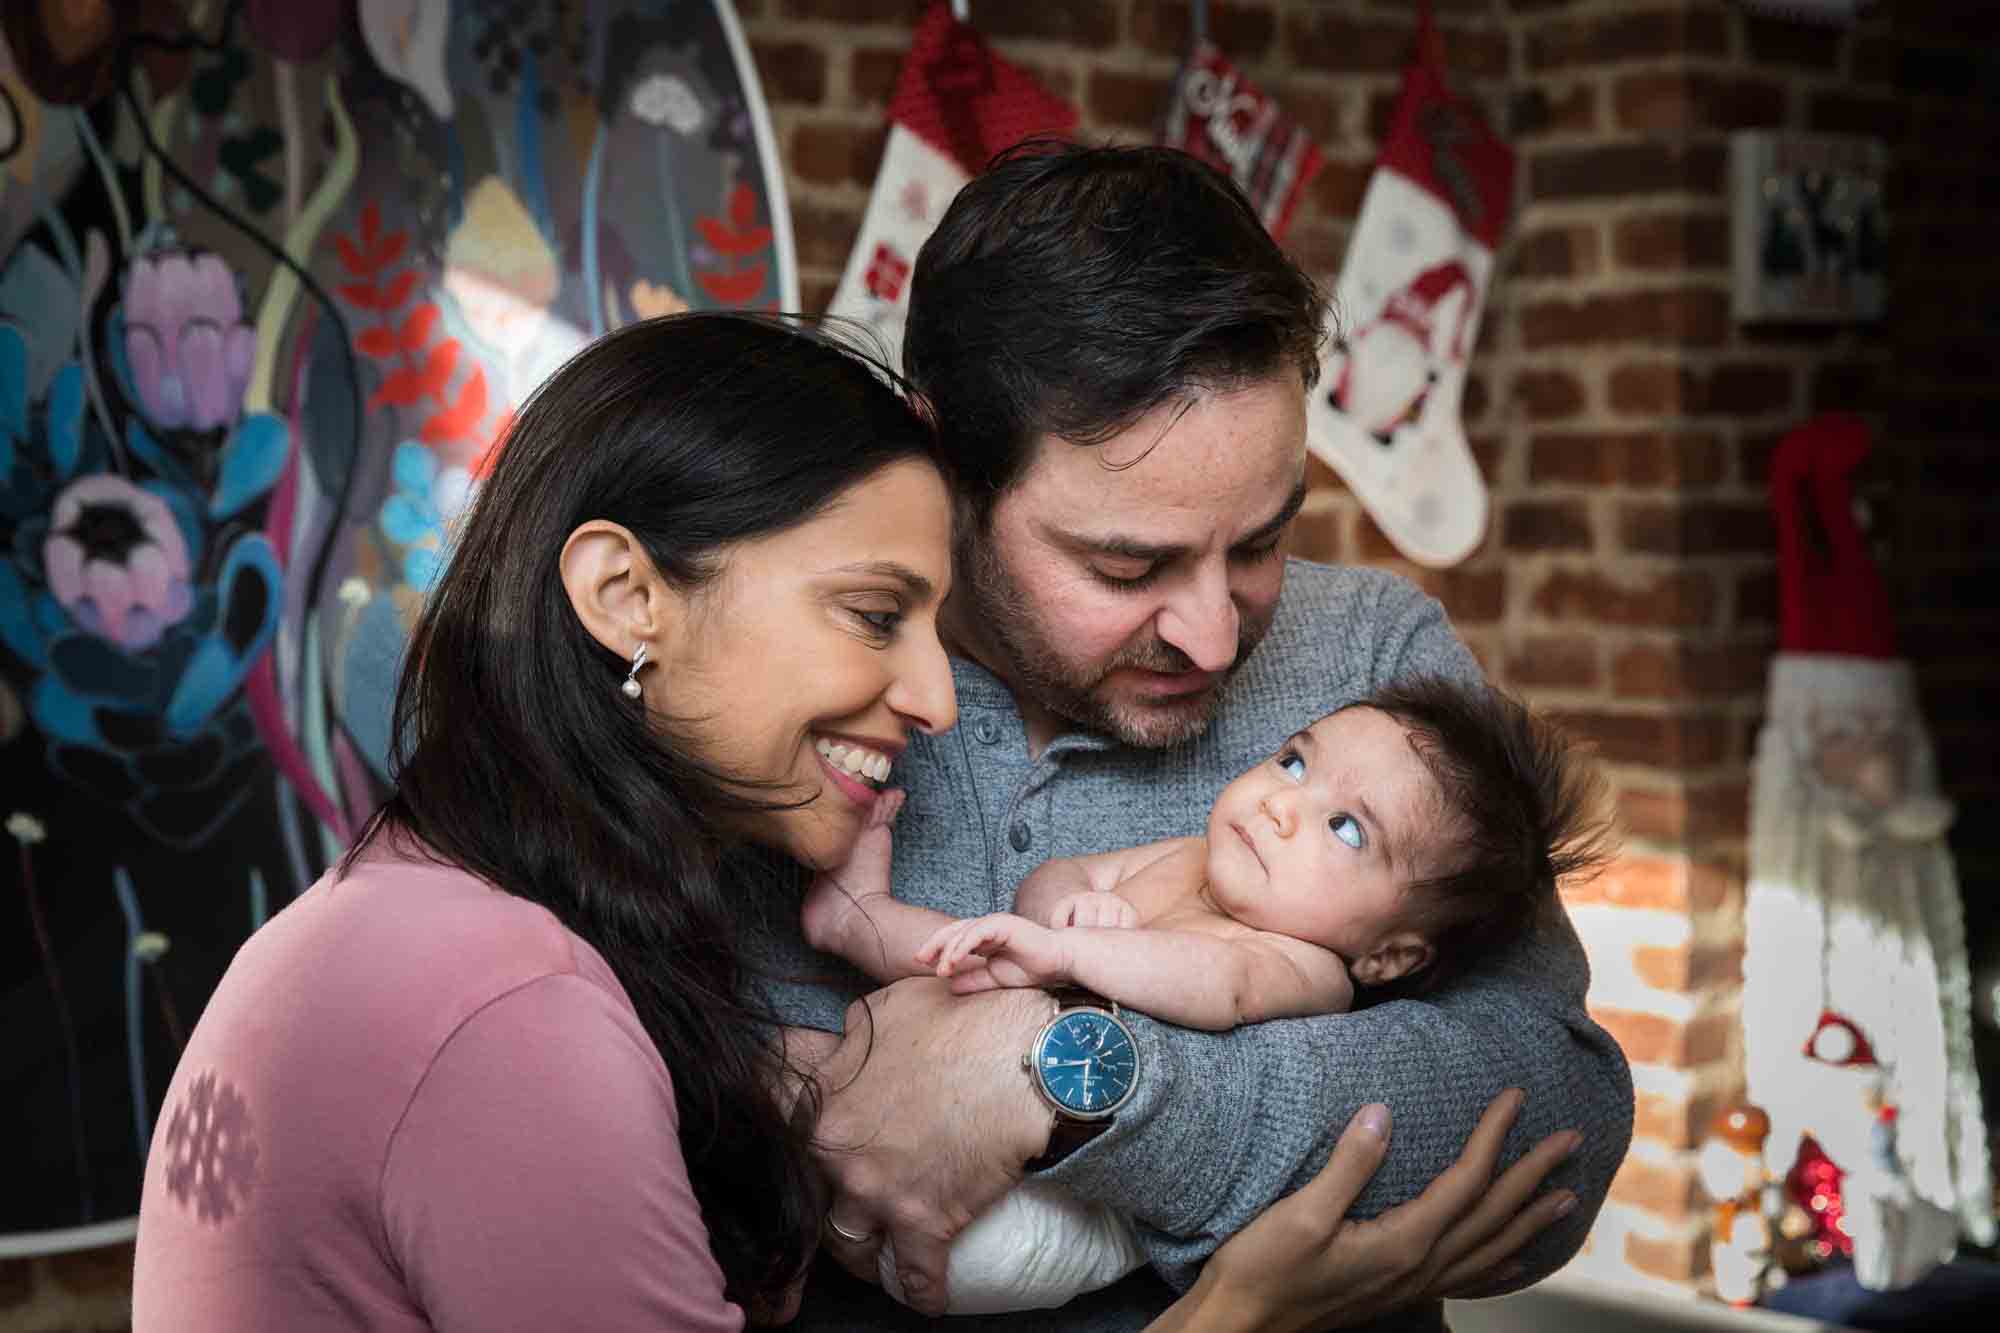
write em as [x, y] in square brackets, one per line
[116, 560]
[185, 339]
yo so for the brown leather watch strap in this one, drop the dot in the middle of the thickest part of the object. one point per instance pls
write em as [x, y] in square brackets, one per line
[1067, 1133]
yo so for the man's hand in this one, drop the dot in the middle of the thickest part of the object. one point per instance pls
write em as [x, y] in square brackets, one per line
[1106, 910]
[926, 1119]
[998, 950]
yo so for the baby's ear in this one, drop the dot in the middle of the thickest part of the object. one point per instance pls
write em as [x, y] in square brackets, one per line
[1399, 955]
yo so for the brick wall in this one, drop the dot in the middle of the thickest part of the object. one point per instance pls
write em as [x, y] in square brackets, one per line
[1622, 423]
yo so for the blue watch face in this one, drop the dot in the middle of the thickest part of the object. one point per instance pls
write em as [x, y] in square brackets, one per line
[1087, 1063]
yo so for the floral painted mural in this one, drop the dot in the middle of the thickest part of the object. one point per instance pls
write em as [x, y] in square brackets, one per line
[274, 277]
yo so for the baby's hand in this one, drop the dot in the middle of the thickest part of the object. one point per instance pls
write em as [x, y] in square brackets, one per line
[1091, 908]
[988, 952]
[832, 903]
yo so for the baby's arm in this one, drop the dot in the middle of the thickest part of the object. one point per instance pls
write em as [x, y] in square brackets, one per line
[1136, 884]
[850, 912]
[1187, 976]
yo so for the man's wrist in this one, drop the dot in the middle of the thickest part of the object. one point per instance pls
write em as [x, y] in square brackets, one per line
[1011, 1022]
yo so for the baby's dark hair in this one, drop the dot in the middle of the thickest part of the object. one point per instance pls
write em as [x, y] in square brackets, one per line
[1520, 808]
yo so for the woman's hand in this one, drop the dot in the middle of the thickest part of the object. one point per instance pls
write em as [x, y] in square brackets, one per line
[1455, 1238]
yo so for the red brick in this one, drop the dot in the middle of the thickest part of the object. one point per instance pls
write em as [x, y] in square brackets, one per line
[1648, 35]
[1135, 101]
[1751, 388]
[1680, 102]
[903, 13]
[1539, 110]
[1090, 24]
[1554, 662]
[1651, 1039]
[1653, 389]
[1848, 386]
[1683, 459]
[1680, 599]
[1704, 528]
[836, 154]
[1671, 242]
[1371, 544]
[1778, 41]
[1656, 813]
[1316, 536]
[1718, 810]
[790, 71]
[1686, 968]
[1336, 191]
[1547, 395]
[1555, 252]
[1756, 600]
[1243, 31]
[1476, 400]
[1649, 738]
[1688, 316]
[872, 74]
[1345, 45]
[1470, 596]
[1690, 671]
[1668, 1190]
[1626, 170]
[1546, 525]
[1678, 1259]
[824, 236]
[1679, 1122]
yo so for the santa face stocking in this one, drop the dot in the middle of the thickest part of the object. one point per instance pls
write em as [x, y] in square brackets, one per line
[956, 104]
[1385, 414]
[1225, 120]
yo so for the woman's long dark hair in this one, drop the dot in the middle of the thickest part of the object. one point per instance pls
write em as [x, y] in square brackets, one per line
[519, 760]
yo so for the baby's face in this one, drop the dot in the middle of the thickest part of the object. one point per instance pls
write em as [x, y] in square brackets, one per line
[1319, 841]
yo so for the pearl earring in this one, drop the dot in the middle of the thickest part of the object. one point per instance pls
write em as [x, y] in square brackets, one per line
[631, 686]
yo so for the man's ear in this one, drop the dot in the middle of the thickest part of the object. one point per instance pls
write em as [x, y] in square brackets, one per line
[1400, 955]
[618, 594]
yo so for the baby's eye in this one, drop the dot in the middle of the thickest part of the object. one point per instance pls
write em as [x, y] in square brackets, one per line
[1346, 828]
[1292, 766]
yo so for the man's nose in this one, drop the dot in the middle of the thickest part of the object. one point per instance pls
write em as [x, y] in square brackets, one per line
[1201, 620]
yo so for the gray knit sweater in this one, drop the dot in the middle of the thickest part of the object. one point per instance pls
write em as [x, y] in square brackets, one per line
[1222, 1124]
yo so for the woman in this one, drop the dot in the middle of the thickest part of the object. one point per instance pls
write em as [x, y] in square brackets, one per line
[497, 1070]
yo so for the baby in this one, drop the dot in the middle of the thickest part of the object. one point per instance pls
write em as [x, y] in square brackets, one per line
[1384, 847]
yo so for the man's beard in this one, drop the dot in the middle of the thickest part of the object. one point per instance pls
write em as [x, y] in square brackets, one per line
[1078, 691]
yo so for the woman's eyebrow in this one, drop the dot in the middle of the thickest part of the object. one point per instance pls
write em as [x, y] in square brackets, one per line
[918, 585]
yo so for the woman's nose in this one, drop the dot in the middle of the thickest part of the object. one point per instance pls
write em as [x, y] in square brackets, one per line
[923, 691]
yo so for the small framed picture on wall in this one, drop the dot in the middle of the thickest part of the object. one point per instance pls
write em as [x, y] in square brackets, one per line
[1807, 227]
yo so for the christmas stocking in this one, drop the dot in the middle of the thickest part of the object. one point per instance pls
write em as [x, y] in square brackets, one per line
[1225, 120]
[956, 104]
[1385, 414]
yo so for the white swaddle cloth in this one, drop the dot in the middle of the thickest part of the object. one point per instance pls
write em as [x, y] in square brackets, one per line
[1036, 1248]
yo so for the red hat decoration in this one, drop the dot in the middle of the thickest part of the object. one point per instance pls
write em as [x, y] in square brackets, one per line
[1836, 1041]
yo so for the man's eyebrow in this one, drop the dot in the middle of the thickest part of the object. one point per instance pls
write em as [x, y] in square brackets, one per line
[918, 585]
[1121, 547]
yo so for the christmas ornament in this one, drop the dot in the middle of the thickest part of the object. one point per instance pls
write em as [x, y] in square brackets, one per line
[1855, 963]
[956, 104]
[1405, 313]
[1731, 1168]
[1222, 118]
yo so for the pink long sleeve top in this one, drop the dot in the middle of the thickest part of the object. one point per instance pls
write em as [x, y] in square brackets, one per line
[416, 1102]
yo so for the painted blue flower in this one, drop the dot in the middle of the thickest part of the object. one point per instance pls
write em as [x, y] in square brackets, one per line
[418, 514]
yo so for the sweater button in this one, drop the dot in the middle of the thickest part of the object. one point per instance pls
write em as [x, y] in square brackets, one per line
[987, 730]
[1019, 837]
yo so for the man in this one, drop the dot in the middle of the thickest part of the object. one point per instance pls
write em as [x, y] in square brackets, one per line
[1118, 355]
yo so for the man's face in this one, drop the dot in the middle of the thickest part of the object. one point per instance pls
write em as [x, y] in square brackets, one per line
[1118, 586]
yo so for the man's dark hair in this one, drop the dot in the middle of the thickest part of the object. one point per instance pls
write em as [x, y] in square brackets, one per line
[1069, 290]
[1520, 806]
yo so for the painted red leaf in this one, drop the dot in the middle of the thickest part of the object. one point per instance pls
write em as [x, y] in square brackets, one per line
[503, 423]
[733, 288]
[362, 294]
[371, 222]
[379, 342]
[458, 420]
[398, 290]
[417, 328]
[391, 249]
[399, 389]
[352, 259]
[438, 367]
[743, 207]
[725, 240]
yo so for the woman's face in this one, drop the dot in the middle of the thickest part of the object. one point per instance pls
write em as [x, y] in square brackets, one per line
[814, 653]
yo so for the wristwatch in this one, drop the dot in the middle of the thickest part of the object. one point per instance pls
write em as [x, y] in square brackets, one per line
[1085, 1065]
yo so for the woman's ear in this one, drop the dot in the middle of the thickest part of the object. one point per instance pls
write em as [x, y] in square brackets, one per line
[618, 594]
[1400, 955]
